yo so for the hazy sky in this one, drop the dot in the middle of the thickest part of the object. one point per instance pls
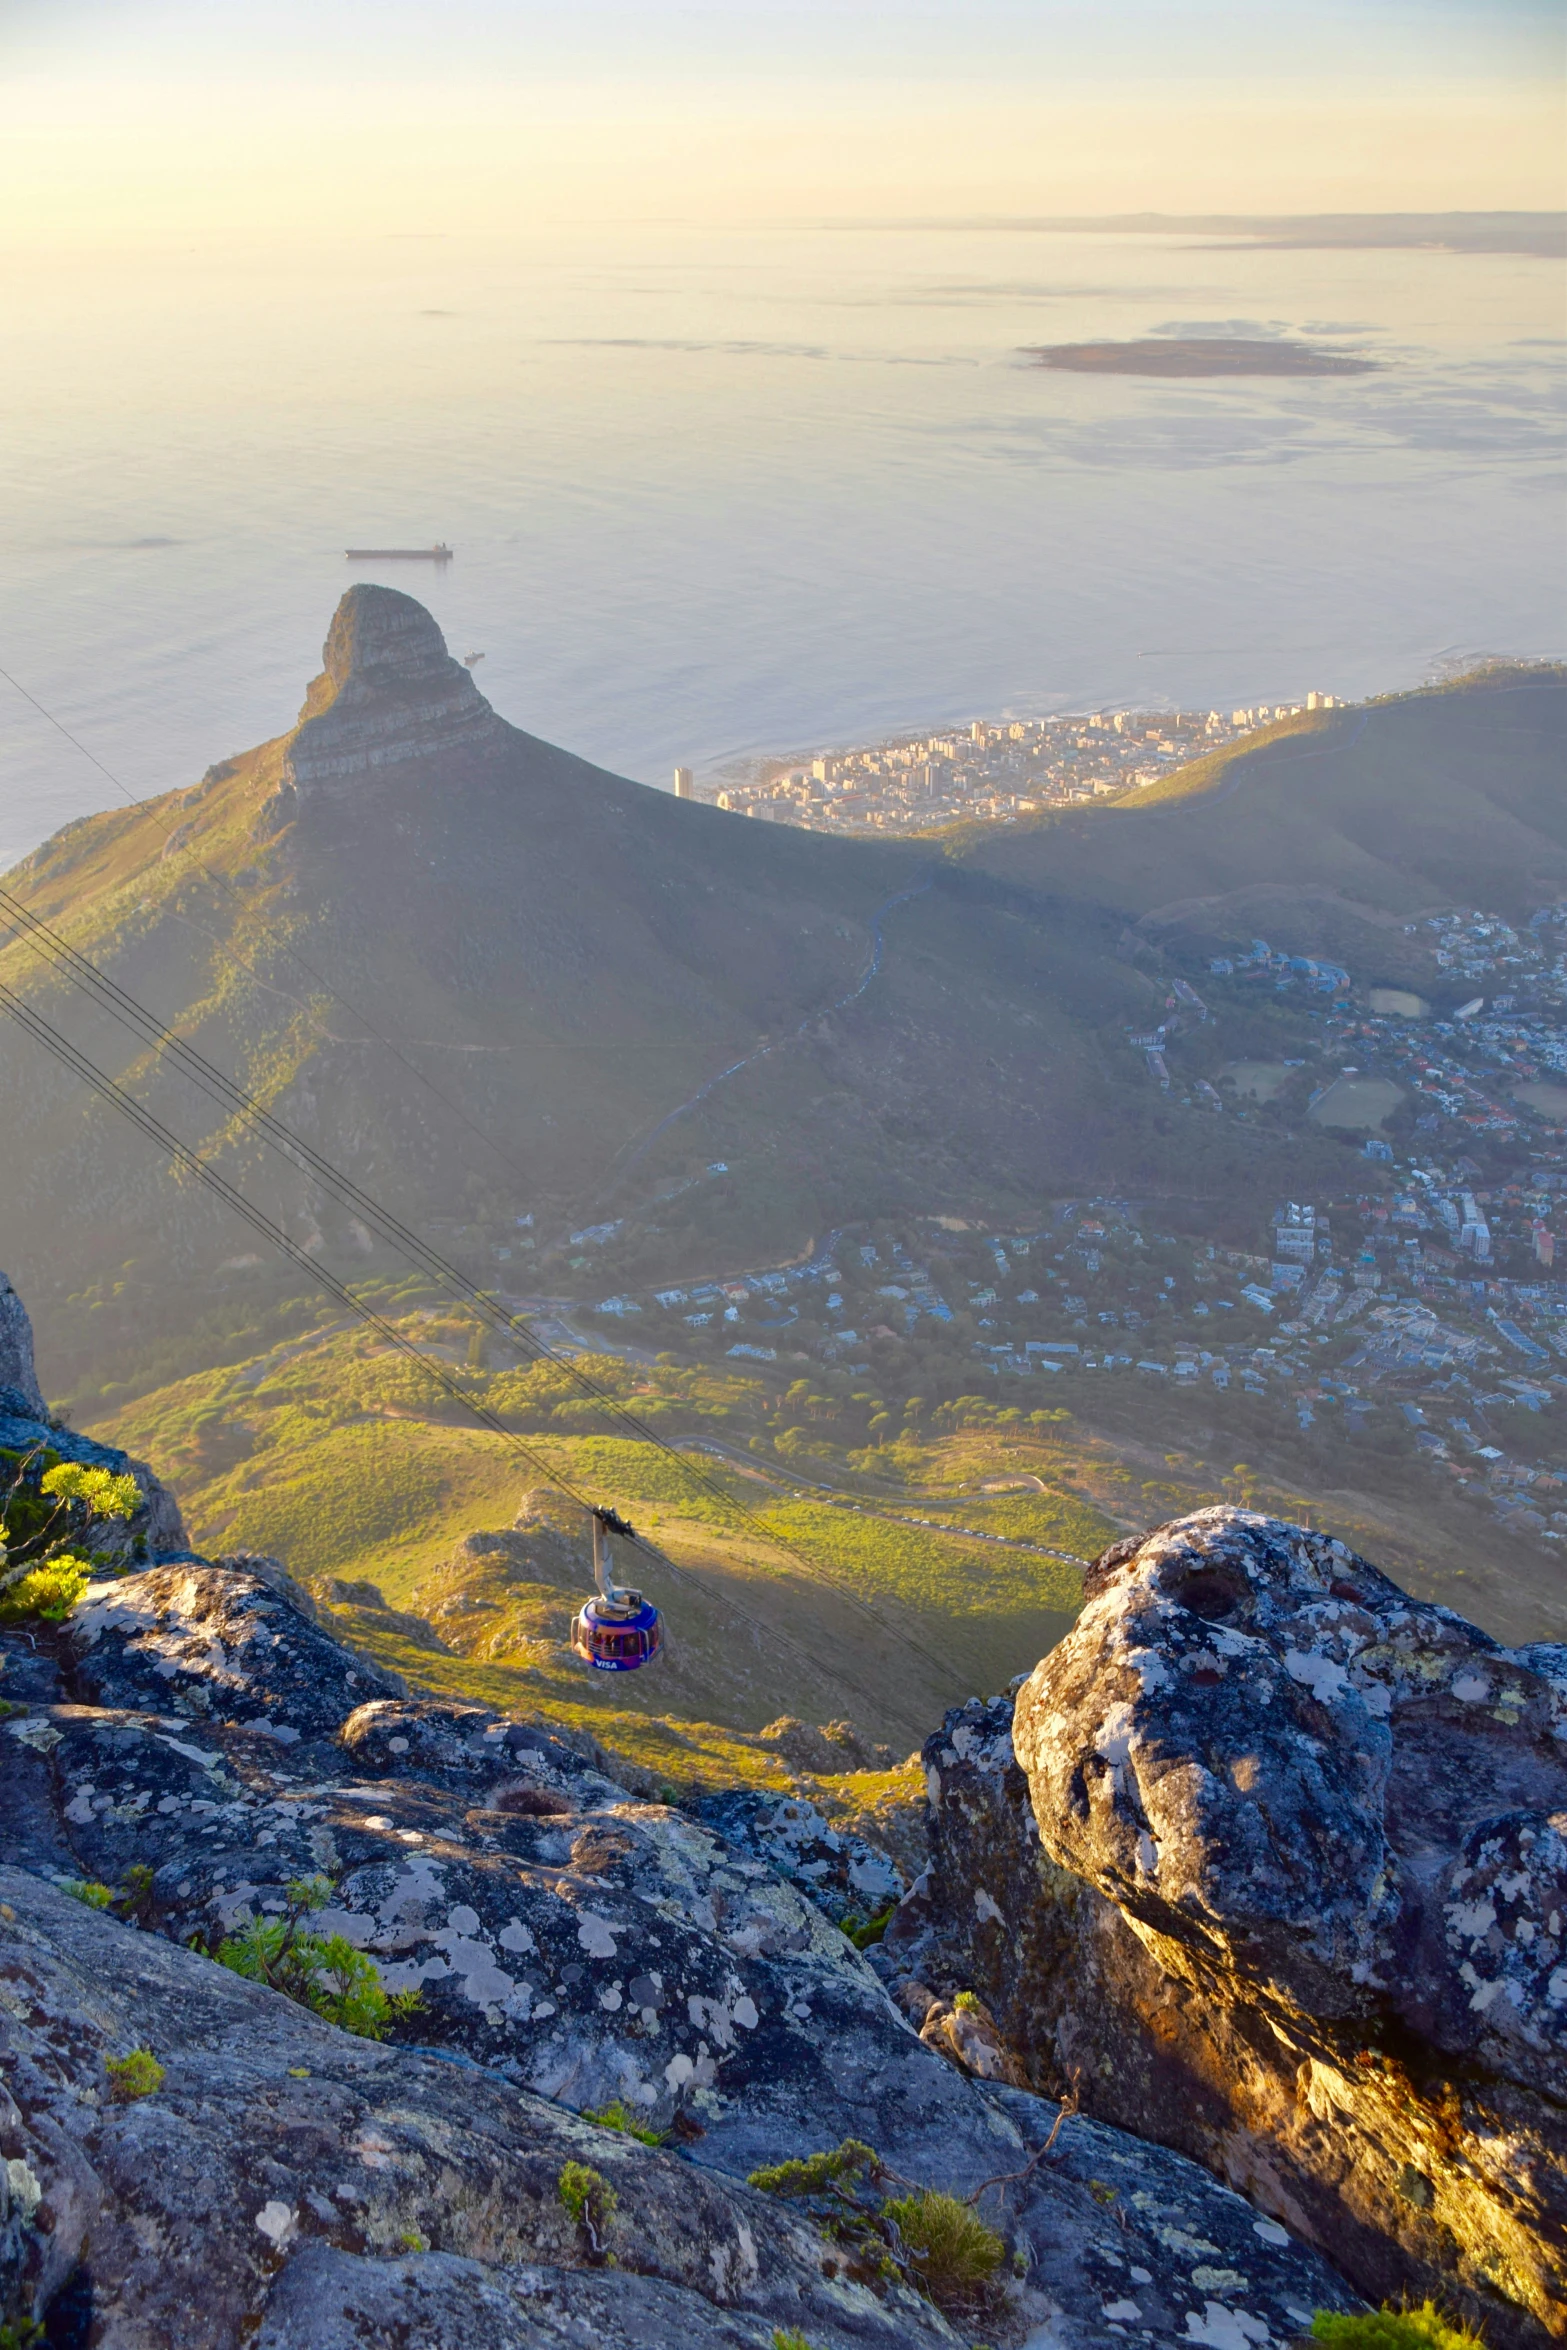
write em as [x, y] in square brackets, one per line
[133, 122]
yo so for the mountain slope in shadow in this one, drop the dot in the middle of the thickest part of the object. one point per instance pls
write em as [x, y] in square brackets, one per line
[493, 981]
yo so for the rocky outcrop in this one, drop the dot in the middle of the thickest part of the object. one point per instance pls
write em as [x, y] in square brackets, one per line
[571, 1945]
[20, 1392]
[1272, 1861]
[287, 2177]
[389, 692]
[155, 1530]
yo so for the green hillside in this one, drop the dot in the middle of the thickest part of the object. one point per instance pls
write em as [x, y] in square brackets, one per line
[1343, 823]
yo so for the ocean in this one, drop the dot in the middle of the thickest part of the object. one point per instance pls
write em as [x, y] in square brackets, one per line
[715, 494]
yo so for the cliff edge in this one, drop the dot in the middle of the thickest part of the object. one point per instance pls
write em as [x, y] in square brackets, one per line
[1272, 1861]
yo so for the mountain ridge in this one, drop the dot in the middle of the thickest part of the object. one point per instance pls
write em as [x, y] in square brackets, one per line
[481, 973]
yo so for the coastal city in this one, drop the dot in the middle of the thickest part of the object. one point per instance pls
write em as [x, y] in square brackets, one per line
[1417, 1307]
[994, 770]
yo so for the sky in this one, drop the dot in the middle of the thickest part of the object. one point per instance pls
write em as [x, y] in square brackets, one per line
[148, 123]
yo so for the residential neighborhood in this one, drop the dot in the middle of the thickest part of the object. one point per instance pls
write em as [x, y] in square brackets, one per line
[992, 769]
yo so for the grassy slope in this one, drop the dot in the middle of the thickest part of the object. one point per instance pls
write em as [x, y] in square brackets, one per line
[325, 1451]
[327, 1456]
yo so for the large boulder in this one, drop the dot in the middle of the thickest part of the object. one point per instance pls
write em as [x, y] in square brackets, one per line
[218, 1643]
[572, 1946]
[1272, 1861]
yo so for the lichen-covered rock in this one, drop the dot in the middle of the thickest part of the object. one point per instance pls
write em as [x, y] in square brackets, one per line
[568, 1941]
[331, 2300]
[218, 1644]
[840, 1872]
[272, 2139]
[1276, 1873]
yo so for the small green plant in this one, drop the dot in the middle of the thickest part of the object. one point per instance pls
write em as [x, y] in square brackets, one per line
[969, 2001]
[136, 1897]
[616, 2116]
[862, 1932]
[412, 2241]
[322, 1972]
[590, 2199]
[841, 2169]
[789, 2338]
[48, 1506]
[1424, 2328]
[22, 2333]
[953, 2253]
[133, 2076]
[48, 1592]
[937, 2243]
[89, 1892]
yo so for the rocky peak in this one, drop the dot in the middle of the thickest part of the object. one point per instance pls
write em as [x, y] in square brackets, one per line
[1269, 1858]
[389, 692]
[19, 1388]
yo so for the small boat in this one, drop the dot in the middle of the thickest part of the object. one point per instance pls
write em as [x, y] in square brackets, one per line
[437, 554]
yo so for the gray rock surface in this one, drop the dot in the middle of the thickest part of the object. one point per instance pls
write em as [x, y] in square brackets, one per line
[19, 1389]
[572, 1945]
[273, 2136]
[1273, 1861]
[389, 692]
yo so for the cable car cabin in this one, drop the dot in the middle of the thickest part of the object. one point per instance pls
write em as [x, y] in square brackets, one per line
[615, 1631]
[618, 1635]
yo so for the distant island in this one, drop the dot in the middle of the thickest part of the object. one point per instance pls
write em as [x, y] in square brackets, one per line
[1541, 234]
[1199, 355]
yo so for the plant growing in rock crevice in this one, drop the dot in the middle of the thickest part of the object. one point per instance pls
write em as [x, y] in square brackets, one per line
[928, 2238]
[49, 1508]
[590, 2199]
[133, 2076]
[949, 2249]
[1424, 2328]
[322, 1972]
[617, 2116]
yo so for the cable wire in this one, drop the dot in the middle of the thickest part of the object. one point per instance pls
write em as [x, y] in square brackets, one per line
[224, 1090]
[105, 1086]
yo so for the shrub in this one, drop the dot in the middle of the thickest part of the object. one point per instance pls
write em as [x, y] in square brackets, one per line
[133, 2076]
[49, 1591]
[590, 2199]
[1425, 2328]
[89, 1892]
[969, 2001]
[789, 2338]
[862, 1932]
[952, 2252]
[842, 2168]
[322, 1972]
[46, 1503]
[617, 2117]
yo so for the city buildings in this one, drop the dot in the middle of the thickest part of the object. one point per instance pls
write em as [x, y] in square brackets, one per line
[991, 770]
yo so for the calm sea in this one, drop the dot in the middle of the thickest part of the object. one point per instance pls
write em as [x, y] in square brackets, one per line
[713, 495]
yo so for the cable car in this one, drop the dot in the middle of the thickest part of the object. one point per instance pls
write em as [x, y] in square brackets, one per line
[616, 1631]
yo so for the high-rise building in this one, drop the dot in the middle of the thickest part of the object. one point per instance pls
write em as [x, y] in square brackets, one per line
[684, 789]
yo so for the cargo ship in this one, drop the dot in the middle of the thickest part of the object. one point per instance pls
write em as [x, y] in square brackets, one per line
[437, 554]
